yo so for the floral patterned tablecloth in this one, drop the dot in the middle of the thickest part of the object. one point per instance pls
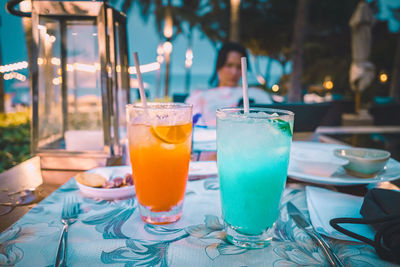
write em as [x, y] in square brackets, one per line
[111, 233]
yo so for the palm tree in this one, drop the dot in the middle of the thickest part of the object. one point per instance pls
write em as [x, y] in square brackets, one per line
[188, 12]
[272, 28]
[300, 27]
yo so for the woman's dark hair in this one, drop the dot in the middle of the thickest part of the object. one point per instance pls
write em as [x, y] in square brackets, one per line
[222, 57]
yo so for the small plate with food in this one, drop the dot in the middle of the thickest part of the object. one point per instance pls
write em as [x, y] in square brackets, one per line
[107, 183]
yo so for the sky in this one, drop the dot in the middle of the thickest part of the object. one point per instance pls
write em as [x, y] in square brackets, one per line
[12, 37]
[143, 38]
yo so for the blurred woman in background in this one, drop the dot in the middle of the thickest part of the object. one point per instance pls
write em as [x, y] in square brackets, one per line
[227, 93]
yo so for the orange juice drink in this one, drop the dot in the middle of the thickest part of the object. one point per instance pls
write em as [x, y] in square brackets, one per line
[159, 145]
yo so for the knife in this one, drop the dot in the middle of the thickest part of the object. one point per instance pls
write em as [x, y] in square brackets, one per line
[304, 224]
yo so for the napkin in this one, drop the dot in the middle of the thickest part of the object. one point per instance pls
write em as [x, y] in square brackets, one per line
[203, 168]
[324, 205]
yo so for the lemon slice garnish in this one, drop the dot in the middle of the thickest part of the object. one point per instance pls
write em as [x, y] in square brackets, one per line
[175, 134]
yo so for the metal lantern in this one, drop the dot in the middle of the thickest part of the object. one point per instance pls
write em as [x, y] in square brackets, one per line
[80, 83]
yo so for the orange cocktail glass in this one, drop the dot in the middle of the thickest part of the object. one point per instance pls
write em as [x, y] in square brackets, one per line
[159, 144]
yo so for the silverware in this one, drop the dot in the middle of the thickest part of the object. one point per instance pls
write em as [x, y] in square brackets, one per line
[20, 198]
[23, 197]
[69, 215]
[303, 223]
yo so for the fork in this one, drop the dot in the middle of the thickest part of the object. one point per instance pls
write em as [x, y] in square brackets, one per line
[69, 215]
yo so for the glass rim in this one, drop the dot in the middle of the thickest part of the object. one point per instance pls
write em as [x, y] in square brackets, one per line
[280, 112]
[159, 105]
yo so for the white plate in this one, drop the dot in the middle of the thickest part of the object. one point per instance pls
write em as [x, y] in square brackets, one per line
[340, 177]
[321, 162]
[109, 193]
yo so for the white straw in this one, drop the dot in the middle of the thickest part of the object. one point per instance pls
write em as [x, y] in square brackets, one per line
[244, 85]
[140, 81]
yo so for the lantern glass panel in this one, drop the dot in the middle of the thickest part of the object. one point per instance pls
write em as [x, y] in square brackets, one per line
[121, 70]
[49, 90]
[70, 102]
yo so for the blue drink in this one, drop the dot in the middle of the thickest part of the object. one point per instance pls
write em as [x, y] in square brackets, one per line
[253, 156]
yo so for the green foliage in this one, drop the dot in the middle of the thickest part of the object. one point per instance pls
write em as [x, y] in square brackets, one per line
[14, 139]
[267, 27]
[188, 13]
[85, 120]
[328, 44]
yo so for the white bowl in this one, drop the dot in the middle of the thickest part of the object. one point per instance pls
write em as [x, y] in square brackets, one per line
[316, 162]
[364, 162]
[109, 193]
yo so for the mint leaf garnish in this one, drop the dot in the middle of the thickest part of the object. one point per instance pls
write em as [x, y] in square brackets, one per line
[284, 126]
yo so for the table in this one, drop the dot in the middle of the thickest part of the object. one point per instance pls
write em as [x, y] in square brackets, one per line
[379, 137]
[111, 232]
[24, 176]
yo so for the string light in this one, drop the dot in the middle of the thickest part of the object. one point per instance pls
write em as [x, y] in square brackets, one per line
[160, 49]
[189, 58]
[14, 75]
[168, 25]
[328, 84]
[57, 81]
[160, 59]
[188, 63]
[81, 67]
[275, 88]
[145, 68]
[91, 68]
[160, 53]
[383, 77]
[70, 67]
[260, 79]
[167, 47]
[189, 54]
[55, 61]
[14, 66]
[50, 38]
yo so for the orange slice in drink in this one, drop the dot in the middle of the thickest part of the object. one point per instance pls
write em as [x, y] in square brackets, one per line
[174, 134]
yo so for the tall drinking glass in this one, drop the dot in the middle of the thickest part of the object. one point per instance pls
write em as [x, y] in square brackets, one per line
[159, 145]
[253, 156]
